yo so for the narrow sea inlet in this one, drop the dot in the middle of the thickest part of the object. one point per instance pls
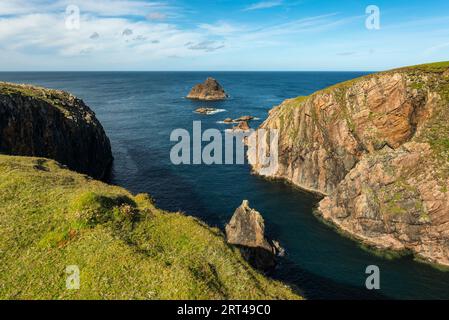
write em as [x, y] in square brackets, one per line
[139, 110]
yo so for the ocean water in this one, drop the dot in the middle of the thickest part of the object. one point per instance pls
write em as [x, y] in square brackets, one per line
[139, 110]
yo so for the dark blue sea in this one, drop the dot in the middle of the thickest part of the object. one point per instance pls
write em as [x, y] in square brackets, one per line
[139, 110]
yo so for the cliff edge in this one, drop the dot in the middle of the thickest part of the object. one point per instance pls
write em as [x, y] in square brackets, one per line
[122, 245]
[53, 124]
[377, 149]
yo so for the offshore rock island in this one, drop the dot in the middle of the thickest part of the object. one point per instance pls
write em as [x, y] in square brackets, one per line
[377, 149]
[210, 90]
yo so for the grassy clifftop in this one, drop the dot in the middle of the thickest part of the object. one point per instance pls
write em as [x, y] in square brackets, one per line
[53, 124]
[56, 98]
[124, 246]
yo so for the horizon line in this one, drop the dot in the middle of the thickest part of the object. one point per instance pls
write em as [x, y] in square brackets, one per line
[20, 71]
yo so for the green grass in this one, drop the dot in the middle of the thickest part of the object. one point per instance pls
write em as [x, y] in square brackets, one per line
[124, 246]
[436, 131]
[340, 88]
[435, 67]
[55, 98]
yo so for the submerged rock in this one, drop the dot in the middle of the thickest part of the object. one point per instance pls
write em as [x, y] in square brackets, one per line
[209, 90]
[238, 120]
[246, 229]
[53, 124]
[244, 118]
[206, 110]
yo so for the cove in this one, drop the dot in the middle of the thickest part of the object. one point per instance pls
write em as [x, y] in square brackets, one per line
[139, 110]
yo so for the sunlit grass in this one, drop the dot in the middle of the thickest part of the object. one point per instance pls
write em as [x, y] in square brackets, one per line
[125, 247]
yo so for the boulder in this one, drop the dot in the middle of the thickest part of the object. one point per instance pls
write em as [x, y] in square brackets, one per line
[228, 120]
[209, 90]
[246, 229]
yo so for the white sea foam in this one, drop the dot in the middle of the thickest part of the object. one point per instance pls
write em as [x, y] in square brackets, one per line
[236, 131]
[213, 111]
[234, 122]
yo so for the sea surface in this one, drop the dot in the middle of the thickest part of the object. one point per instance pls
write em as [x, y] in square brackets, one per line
[139, 110]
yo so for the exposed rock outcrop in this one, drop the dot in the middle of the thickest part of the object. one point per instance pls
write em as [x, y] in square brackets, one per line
[244, 118]
[246, 229]
[52, 124]
[377, 149]
[206, 110]
[209, 90]
[238, 120]
[241, 126]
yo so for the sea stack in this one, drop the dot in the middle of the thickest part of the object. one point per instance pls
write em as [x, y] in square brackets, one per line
[210, 90]
[246, 229]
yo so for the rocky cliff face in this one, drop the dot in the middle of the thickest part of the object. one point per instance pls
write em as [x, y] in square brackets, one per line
[52, 124]
[377, 149]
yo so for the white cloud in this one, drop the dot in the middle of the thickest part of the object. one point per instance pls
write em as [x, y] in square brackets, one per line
[436, 48]
[38, 28]
[14, 7]
[263, 5]
[208, 46]
[221, 28]
[111, 8]
[41, 32]
[244, 36]
[94, 36]
[127, 32]
[156, 16]
[36, 35]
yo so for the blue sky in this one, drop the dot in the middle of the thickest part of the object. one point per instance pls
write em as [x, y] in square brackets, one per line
[220, 35]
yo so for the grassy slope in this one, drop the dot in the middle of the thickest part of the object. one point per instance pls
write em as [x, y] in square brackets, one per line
[56, 98]
[125, 248]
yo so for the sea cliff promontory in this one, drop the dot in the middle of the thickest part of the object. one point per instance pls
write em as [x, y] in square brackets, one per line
[54, 124]
[376, 149]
